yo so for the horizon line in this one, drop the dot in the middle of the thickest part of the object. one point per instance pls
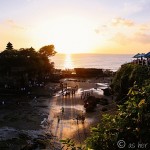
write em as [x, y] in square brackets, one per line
[97, 53]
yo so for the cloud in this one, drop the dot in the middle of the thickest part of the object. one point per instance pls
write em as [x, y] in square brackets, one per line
[124, 34]
[101, 29]
[122, 22]
[13, 25]
[132, 7]
[144, 28]
[114, 26]
[121, 38]
[142, 38]
[97, 31]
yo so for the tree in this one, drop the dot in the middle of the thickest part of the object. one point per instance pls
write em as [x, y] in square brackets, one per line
[9, 46]
[48, 50]
[126, 76]
[24, 63]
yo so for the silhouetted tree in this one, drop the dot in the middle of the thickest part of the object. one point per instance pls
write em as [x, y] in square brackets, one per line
[48, 50]
[24, 64]
[9, 46]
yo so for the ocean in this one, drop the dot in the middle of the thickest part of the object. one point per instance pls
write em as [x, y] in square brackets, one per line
[104, 61]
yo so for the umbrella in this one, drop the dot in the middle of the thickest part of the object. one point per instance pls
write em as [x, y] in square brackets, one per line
[136, 56]
[147, 55]
[139, 55]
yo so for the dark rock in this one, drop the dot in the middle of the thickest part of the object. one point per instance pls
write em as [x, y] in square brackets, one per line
[107, 92]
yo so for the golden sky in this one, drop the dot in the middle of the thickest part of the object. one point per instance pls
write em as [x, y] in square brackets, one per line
[77, 26]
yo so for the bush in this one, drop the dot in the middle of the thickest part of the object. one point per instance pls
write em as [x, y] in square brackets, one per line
[126, 76]
[103, 101]
[104, 109]
[130, 124]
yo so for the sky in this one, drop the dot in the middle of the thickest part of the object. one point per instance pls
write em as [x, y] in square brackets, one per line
[77, 26]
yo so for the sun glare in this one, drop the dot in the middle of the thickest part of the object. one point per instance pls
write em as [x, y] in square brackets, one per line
[68, 64]
[70, 34]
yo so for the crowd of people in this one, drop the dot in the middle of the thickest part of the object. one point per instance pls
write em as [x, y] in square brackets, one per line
[67, 91]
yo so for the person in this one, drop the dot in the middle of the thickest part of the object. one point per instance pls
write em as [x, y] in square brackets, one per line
[83, 119]
[58, 119]
[62, 110]
[72, 92]
[77, 118]
[61, 86]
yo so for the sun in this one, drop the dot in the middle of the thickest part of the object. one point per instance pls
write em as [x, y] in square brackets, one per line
[67, 52]
[70, 34]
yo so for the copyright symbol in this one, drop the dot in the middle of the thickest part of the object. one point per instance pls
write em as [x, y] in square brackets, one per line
[121, 144]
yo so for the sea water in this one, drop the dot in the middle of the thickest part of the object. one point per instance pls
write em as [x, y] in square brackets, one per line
[104, 61]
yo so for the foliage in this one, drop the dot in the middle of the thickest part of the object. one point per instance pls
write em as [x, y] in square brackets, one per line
[130, 124]
[48, 50]
[126, 76]
[24, 64]
[70, 144]
[26, 58]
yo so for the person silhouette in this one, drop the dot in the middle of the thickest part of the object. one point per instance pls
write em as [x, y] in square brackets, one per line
[62, 110]
[58, 119]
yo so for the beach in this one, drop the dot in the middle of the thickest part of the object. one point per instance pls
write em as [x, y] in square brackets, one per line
[69, 126]
[39, 116]
[21, 116]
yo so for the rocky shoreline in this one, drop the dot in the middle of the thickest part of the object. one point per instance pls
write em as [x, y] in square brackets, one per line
[23, 119]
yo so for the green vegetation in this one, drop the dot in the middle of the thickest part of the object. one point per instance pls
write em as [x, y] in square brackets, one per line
[20, 67]
[131, 122]
[126, 76]
[70, 144]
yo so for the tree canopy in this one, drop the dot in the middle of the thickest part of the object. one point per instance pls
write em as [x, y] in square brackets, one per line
[126, 76]
[15, 64]
[48, 50]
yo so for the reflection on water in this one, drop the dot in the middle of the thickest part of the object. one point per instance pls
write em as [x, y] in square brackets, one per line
[105, 61]
[68, 63]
